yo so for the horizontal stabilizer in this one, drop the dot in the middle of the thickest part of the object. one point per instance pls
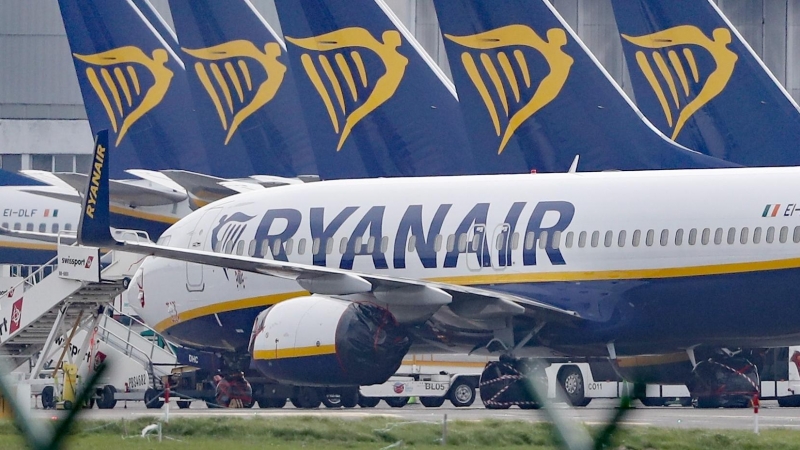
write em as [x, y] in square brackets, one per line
[64, 195]
[127, 193]
[203, 189]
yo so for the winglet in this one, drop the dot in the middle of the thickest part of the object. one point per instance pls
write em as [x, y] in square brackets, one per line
[574, 166]
[94, 228]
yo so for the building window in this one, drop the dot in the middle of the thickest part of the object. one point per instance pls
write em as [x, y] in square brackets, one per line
[42, 162]
[63, 163]
[11, 163]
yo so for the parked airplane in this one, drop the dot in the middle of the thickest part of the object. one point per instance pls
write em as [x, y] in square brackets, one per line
[699, 81]
[576, 264]
[531, 90]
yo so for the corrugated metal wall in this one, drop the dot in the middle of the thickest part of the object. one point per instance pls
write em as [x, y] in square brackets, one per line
[37, 79]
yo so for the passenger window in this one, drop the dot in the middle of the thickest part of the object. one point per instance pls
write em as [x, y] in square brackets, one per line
[315, 248]
[582, 239]
[17, 226]
[229, 248]
[796, 235]
[664, 238]
[264, 248]
[68, 226]
[343, 246]
[499, 241]
[621, 238]
[556, 239]
[451, 242]
[731, 235]
[784, 234]
[543, 239]
[744, 236]
[706, 236]
[651, 234]
[770, 235]
[5, 225]
[757, 235]
[385, 243]
[29, 227]
[515, 241]
[529, 240]
[718, 236]
[371, 244]
[53, 228]
[637, 238]
[568, 241]
[595, 238]
[42, 227]
[437, 242]
[609, 238]
[462, 242]
[679, 236]
[301, 247]
[693, 236]
[251, 249]
[240, 248]
[276, 247]
[329, 246]
[357, 244]
[288, 246]
[412, 243]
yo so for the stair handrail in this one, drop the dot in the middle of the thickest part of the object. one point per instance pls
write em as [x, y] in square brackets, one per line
[167, 348]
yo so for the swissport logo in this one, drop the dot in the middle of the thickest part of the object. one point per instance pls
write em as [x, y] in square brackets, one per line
[75, 262]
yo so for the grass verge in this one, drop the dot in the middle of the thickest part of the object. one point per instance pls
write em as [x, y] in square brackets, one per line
[376, 433]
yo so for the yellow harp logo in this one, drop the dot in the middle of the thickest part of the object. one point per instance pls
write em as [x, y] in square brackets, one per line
[514, 115]
[226, 55]
[348, 41]
[682, 38]
[130, 99]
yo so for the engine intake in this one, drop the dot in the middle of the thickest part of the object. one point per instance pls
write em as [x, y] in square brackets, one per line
[321, 341]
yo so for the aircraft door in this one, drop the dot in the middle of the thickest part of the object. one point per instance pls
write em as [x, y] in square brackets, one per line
[200, 236]
[501, 247]
[477, 253]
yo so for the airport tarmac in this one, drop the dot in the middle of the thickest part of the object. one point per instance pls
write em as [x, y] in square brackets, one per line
[598, 412]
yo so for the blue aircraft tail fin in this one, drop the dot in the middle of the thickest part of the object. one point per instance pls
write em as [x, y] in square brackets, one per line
[245, 99]
[699, 82]
[133, 85]
[94, 227]
[530, 90]
[377, 104]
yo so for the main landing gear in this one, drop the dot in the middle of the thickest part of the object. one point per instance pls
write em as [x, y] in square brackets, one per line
[510, 382]
[724, 381]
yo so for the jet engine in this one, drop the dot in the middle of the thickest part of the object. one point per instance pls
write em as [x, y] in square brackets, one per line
[321, 341]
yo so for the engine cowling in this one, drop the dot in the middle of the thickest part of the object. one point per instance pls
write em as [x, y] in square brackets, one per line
[321, 341]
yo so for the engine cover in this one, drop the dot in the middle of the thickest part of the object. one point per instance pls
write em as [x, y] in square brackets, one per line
[321, 341]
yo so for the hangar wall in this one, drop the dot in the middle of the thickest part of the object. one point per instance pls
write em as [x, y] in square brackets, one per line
[42, 120]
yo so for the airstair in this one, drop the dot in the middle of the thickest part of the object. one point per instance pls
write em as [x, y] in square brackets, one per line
[69, 296]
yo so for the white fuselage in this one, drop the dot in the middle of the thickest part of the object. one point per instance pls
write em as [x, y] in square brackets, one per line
[578, 241]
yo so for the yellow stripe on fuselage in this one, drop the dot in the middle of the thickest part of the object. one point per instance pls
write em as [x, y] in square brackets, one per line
[295, 352]
[27, 245]
[232, 305]
[471, 280]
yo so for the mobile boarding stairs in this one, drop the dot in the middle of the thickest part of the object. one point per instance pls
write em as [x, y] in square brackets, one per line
[67, 298]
